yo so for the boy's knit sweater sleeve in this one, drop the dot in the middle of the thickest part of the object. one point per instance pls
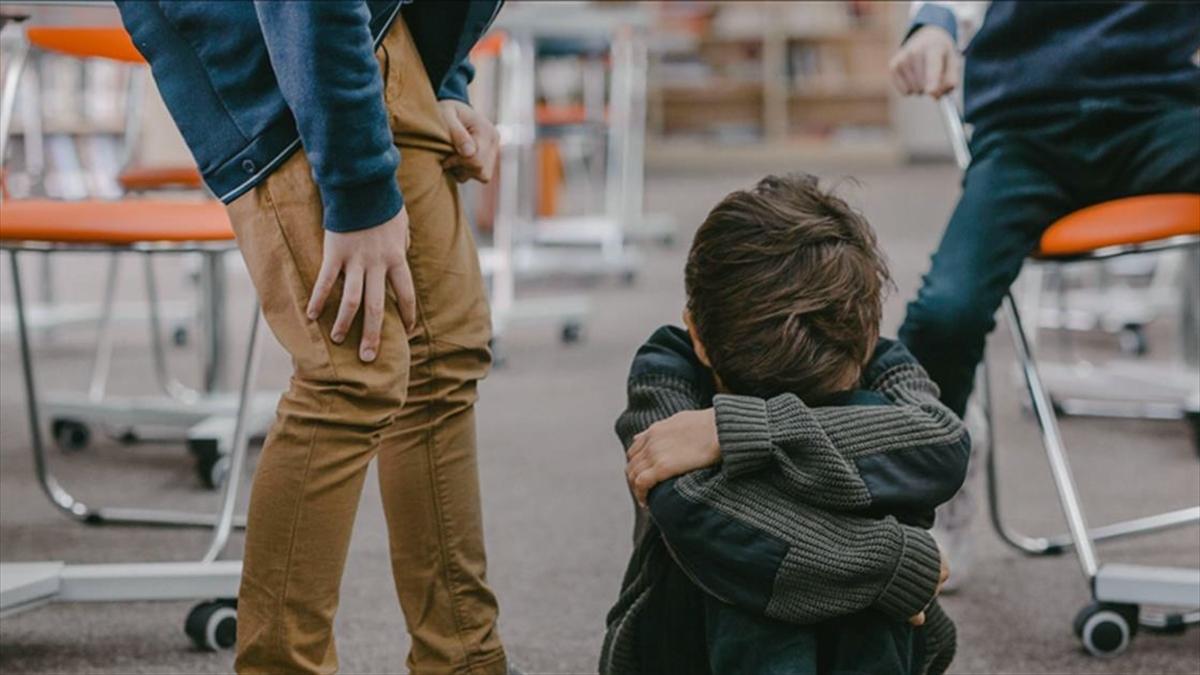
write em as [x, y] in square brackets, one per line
[893, 449]
[749, 543]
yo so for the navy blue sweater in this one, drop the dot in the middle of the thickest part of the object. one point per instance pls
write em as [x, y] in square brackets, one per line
[1030, 59]
[250, 82]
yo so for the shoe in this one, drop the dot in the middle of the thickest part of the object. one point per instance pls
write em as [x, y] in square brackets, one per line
[952, 527]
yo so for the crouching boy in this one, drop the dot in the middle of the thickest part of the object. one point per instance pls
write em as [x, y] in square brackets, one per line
[787, 459]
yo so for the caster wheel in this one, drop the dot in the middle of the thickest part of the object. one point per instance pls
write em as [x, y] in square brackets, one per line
[70, 435]
[180, 336]
[1132, 340]
[212, 626]
[572, 332]
[212, 471]
[628, 277]
[1106, 629]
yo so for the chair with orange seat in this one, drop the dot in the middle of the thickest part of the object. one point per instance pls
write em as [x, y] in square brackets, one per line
[145, 228]
[1141, 224]
[113, 43]
[208, 429]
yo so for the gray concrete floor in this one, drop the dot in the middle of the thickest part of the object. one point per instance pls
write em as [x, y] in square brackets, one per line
[557, 514]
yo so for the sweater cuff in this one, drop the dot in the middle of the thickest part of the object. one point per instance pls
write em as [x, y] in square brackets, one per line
[361, 206]
[744, 432]
[915, 580]
[935, 15]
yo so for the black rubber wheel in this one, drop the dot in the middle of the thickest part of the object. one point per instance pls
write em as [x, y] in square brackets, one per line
[572, 332]
[1193, 420]
[1106, 629]
[180, 336]
[212, 470]
[1132, 340]
[212, 626]
[70, 435]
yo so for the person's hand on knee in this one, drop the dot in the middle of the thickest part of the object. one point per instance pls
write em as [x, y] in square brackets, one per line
[928, 63]
[475, 140]
[367, 260]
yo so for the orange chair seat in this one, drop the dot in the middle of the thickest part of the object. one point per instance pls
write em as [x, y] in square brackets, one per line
[113, 222]
[562, 115]
[1122, 222]
[158, 177]
[100, 42]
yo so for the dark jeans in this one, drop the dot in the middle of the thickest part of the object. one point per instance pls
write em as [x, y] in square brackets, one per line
[684, 631]
[1019, 182]
[866, 643]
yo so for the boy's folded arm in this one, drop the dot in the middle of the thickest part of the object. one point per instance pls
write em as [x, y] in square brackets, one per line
[902, 451]
[665, 378]
[791, 561]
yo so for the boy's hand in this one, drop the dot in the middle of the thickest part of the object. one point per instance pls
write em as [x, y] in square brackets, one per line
[475, 139]
[919, 619]
[683, 442]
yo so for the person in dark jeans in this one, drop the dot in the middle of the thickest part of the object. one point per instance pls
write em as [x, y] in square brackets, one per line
[1072, 104]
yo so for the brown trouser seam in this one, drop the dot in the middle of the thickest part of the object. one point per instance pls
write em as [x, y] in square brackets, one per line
[325, 406]
[432, 455]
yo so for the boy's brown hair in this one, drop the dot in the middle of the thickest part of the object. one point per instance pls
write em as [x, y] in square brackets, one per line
[785, 287]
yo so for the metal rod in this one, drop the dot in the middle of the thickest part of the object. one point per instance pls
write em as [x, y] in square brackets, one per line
[135, 93]
[58, 496]
[158, 518]
[212, 290]
[1018, 541]
[8, 97]
[958, 134]
[241, 442]
[1125, 528]
[102, 364]
[170, 385]
[1059, 465]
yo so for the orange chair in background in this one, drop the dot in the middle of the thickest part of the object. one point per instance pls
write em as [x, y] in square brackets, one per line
[144, 228]
[114, 44]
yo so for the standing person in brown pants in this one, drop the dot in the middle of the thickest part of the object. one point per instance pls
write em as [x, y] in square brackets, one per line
[335, 132]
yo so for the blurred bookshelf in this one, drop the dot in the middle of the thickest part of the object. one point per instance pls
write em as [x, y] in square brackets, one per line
[764, 81]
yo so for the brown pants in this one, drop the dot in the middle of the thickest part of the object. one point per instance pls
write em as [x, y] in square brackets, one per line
[413, 408]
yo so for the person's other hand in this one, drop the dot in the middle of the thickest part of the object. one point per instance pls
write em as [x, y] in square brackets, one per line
[928, 63]
[683, 442]
[367, 260]
[475, 141]
[943, 576]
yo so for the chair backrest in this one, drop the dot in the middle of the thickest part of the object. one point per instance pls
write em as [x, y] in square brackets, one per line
[98, 42]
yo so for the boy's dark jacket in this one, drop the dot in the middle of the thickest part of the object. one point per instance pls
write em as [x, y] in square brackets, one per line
[813, 512]
[249, 82]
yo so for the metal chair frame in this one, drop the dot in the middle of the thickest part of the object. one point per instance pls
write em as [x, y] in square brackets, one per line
[1079, 537]
[201, 416]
